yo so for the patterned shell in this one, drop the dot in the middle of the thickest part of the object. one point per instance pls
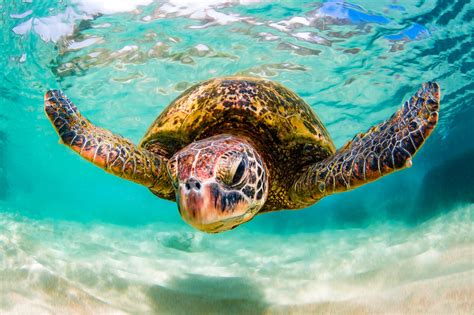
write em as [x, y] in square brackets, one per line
[278, 122]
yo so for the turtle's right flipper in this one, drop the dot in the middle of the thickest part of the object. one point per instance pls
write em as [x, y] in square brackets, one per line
[110, 152]
[383, 149]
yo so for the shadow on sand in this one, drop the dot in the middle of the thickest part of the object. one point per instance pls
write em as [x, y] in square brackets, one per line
[197, 294]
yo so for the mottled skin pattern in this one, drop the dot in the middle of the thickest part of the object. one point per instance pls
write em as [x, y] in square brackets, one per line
[230, 148]
[231, 176]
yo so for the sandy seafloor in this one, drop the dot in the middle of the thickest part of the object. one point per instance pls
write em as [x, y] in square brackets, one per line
[62, 267]
[75, 240]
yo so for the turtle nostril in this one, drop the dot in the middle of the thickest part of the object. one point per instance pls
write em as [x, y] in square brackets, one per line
[192, 184]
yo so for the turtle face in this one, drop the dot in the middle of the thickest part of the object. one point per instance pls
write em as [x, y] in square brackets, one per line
[220, 182]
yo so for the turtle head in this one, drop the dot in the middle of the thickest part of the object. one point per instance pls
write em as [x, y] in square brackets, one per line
[220, 182]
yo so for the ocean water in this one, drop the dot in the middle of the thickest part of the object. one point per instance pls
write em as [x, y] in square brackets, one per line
[74, 239]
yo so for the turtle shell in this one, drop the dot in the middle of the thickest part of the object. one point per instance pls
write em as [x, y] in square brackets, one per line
[282, 127]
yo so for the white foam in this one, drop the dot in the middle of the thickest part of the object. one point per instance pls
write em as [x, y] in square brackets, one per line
[51, 28]
[127, 48]
[110, 6]
[312, 38]
[206, 11]
[299, 20]
[268, 36]
[202, 47]
[75, 45]
[290, 24]
[21, 15]
[23, 28]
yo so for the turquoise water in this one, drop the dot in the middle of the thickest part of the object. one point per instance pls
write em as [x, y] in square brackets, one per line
[76, 239]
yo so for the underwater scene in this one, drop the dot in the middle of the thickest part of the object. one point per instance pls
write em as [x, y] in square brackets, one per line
[77, 240]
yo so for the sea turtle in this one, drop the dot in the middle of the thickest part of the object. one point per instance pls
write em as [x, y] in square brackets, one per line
[230, 148]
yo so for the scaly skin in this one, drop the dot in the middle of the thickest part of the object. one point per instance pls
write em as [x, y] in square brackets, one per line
[383, 149]
[110, 152]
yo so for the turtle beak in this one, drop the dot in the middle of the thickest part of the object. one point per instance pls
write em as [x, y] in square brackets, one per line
[201, 205]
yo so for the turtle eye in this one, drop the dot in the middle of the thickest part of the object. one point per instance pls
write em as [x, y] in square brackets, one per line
[239, 172]
[233, 170]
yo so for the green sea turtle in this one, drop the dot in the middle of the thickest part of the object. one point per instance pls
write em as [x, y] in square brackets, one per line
[230, 148]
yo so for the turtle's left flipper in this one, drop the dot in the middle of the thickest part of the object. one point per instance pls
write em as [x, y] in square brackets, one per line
[383, 149]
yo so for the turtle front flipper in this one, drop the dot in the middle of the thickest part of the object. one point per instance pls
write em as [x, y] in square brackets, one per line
[110, 152]
[383, 149]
